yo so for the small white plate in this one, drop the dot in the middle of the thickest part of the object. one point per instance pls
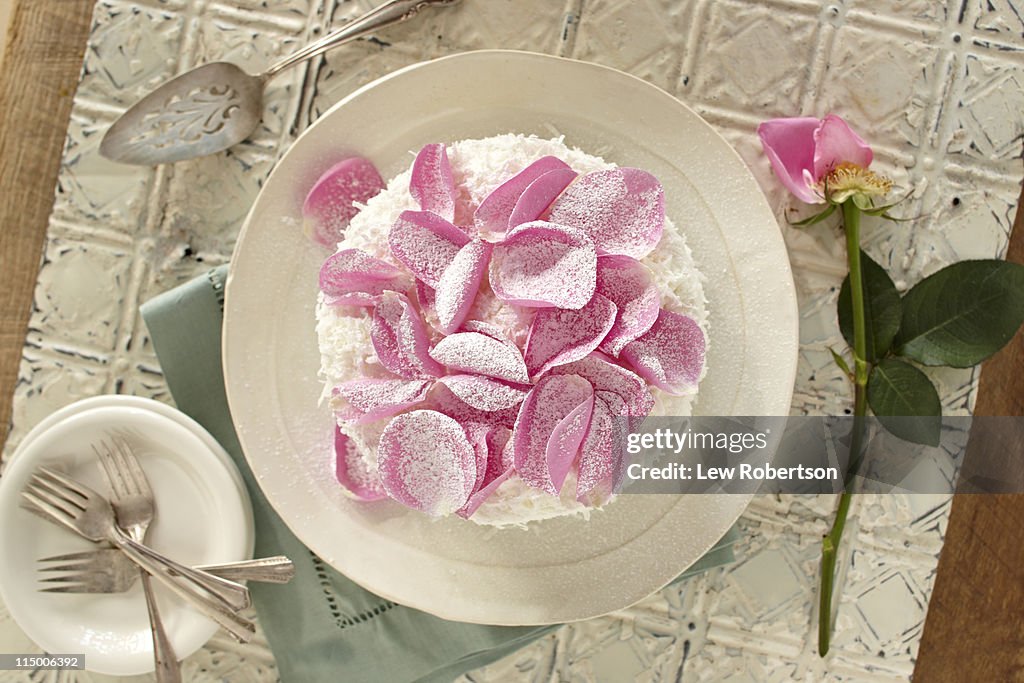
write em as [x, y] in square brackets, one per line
[203, 516]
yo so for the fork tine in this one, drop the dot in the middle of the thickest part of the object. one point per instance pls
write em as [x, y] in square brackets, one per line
[53, 499]
[68, 557]
[130, 466]
[111, 471]
[48, 512]
[72, 566]
[75, 577]
[54, 491]
[73, 588]
[67, 482]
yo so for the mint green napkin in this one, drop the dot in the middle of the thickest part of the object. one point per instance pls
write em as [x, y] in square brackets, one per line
[321, 626]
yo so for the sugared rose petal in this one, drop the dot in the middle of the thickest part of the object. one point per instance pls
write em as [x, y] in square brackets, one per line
[606, 375]
[536, 199]
[459, 283]
[559, 336]
[484, 393]
[352, 472]
[365, 400]
[550, 428]
[400, 338]
[481, 355]
[622, 210]
[490, 330]
[602, 454]
[492, 216]
[425, 243]
[354, 278]
[499, 469]
[432, 184]
[541, 264]
[443, 400]
[426, 462]
[331, 204]
[630, 285]
[670, 355]
[425, 298]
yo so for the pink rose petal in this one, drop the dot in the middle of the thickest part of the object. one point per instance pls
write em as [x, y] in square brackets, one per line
[670, 355]
[541, 264]
[550, 428]
[498, 471]
[459, 283]
[365, 400]
[492, 331]
[426, 462]
[425, 243]
[630, 286]
[354, 278]
[352, 472]
[536, 199]
[432, 184]
[602, 455]
[425, 298]
[331, 204]
[484, 393]
[477, 435]
[559, 336]
[482, 355]
[492, 216]
[400, 338]
[789, 145]
[622, 210]
[604, 374]
[443, 400]
[836, 143]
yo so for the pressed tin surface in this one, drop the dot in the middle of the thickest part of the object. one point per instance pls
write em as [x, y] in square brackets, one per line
[936, 86]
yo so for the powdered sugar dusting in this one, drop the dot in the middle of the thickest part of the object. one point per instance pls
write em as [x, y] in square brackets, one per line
[425, 243]
[484, 393]
[560, 336]
[426, 462]
[400, 338]
[671, 354]
[477, 353]
[622, 210]
[544, 264]
[459, 283]
[540, 437]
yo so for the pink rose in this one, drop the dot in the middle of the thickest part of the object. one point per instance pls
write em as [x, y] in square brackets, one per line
[803, 151]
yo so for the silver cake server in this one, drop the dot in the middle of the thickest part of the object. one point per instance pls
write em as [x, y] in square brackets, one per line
[217, 105]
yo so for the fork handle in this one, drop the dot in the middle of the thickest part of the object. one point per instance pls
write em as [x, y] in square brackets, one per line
[242, 629]
[391, 12]
[168, 670]
[233, 595]
[277, 569]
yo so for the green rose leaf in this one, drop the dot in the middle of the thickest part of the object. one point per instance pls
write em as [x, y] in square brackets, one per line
[882, 309]
[905, 401]
[962, 314]
[816, 218]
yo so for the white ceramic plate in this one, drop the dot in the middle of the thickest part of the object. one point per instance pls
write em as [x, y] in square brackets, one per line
[558, 570]
[204, 516]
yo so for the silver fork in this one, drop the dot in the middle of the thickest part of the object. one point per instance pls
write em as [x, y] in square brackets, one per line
[108, 570]
[85, 512]
[134, 509]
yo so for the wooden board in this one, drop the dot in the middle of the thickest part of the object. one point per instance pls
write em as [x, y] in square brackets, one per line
[42, 59]
[975, 625]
